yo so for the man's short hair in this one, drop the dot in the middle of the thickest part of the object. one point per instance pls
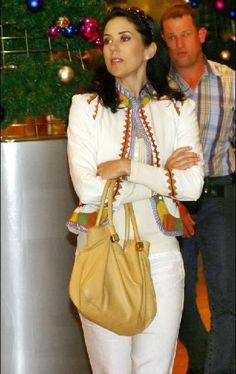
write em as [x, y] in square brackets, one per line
[178, 11]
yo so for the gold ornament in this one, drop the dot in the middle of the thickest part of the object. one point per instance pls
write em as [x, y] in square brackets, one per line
[225, 54]
[11, 66]
[65, 74]
[63, 22]
[229, 36]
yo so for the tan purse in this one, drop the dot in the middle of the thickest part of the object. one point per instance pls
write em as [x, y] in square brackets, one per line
[111, 285]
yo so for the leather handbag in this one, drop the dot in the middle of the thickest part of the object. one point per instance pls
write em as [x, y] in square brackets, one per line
[110, 283]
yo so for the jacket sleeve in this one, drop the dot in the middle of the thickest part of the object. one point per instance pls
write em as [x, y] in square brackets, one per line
[82, 157]
[81, 151]
[178, 184]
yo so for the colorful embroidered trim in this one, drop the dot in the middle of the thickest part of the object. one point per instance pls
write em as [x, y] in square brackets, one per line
[172, 183]
[169, 223]
[83, 221]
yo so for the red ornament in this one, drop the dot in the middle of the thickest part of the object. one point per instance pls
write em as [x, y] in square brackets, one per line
[89, 29]
[53, 32]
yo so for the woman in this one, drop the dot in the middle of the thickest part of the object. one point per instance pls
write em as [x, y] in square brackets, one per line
[134, 127]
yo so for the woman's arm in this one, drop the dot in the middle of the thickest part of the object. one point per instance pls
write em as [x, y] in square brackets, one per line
[82, 157]
[180, 182]
[182, 175]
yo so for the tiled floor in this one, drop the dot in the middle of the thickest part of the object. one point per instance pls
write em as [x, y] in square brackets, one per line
[181, 360]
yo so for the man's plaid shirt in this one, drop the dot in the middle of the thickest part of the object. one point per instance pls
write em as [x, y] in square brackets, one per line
[214, 96]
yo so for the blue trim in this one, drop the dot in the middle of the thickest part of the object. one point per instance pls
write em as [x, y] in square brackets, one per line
[76, 228]
[137, 124]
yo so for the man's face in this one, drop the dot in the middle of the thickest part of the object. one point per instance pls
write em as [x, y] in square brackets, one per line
[183, 40]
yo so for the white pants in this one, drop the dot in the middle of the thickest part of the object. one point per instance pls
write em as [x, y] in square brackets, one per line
[153, 350]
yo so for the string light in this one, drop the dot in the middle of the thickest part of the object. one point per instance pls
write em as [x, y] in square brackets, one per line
[194, 3]
[232, 13]
[219, 4]
[225, 54]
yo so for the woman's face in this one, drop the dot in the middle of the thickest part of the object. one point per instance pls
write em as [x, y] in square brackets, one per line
[124, 51]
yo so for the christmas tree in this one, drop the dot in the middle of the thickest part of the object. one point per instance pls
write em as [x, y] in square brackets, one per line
[47, 48]
[218, 16]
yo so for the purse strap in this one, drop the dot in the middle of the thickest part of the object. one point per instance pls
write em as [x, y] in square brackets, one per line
[139, 242]
[129, 215]
[103, 199]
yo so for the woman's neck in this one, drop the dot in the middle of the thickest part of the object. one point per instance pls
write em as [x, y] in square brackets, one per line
[134, 87]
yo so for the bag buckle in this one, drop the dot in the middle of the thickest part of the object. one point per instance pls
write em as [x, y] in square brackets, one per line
[114, 238]
[139, 246]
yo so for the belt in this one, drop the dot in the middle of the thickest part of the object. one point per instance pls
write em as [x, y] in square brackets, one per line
[225, 179]
[213, 190]
[213, 187]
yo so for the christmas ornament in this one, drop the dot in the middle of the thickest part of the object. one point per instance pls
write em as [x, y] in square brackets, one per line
[229, 36]
[12, 66]
[68, 31]
[225, 54]
[89, 28]
[194, 3]
[62, 22]
[65, 74]
[219, 4]
[53, 32]
[34, 5]
[99, 42]
[232, 13]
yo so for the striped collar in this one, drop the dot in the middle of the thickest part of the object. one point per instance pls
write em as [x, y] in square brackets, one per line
[209, 71]
[128, 100]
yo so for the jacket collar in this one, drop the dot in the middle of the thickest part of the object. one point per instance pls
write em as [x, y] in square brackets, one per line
[128, 100]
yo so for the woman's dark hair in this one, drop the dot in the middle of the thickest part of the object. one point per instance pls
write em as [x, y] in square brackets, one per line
[103, 83]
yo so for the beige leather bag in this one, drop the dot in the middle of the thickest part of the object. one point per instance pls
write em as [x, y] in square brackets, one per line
[111, 285]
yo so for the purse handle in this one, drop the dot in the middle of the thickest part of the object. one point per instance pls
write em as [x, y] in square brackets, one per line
[129, 215]
[103, 199]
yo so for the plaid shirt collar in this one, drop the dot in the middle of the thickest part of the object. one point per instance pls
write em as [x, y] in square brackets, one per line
[210, 71]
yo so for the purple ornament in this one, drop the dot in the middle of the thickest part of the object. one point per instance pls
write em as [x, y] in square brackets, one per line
[99, 42]
[194, 3]
[53, 32]
[89, 29]
[34, 5]
[232, 13]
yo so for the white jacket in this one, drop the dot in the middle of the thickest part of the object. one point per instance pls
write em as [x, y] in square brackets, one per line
[95, 135]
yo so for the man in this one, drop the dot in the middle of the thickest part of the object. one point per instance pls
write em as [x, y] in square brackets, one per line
[212, 86]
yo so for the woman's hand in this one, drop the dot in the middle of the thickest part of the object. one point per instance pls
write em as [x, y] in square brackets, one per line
[114, 169]
[182, 158]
